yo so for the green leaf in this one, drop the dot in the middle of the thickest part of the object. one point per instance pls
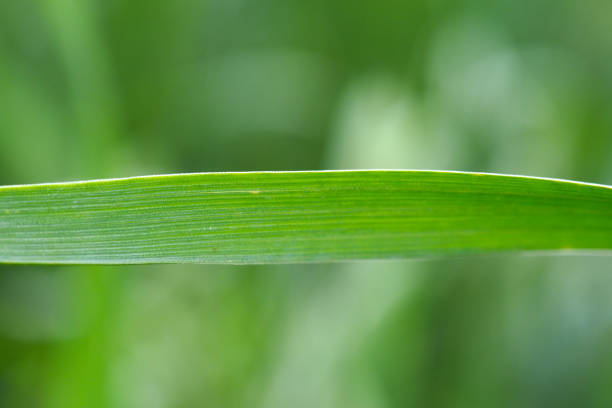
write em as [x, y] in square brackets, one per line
[277, 217]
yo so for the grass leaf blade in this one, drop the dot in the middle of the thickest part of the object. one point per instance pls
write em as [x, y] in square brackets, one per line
[285, 217]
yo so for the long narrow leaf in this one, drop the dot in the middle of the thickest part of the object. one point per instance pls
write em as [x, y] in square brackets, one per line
[264, 217]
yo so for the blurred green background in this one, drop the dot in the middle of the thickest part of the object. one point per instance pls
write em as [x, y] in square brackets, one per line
[95, 89]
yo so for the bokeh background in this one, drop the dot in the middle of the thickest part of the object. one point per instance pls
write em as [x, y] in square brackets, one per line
[108, 88]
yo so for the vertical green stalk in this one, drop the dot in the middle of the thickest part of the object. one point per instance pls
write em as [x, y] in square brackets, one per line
[82, 365]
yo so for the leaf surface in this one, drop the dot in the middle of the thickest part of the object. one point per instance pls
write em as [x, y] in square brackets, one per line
[287, 217]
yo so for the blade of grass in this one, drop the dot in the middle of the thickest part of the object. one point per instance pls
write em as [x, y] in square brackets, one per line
[278, 217]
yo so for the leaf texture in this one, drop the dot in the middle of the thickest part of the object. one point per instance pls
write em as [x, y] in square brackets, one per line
[289, 217]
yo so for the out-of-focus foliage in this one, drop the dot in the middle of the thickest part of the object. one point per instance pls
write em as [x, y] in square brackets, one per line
[92, 89]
